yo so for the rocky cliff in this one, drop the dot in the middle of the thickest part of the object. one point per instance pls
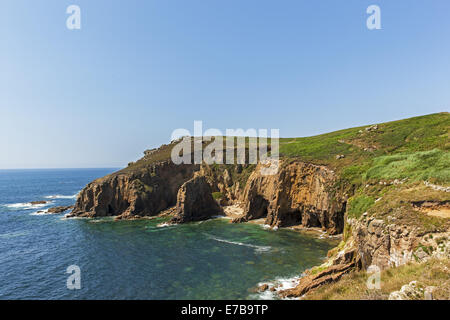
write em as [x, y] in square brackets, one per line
[393, 233]
[299, 194]
[143, 192]
[195, 201]
[369, 183]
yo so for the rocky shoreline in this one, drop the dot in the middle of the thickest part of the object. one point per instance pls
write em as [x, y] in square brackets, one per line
[298, 197]
[384, 223]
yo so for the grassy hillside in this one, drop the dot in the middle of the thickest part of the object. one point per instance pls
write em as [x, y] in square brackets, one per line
[392, 150]
[415, 148]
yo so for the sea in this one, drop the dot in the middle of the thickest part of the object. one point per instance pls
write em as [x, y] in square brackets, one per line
[142, 259]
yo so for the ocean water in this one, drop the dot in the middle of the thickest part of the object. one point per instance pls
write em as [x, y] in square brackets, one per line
[134, 259]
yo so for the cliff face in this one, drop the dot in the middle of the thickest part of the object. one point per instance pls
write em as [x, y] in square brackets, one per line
[300, 193]
[144, 192]
[391, 245]
[375, 243]
[195, 201]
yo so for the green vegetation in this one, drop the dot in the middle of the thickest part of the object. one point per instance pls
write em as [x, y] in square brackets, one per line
[359, 204]
[217, 195]
[431, 165]
[415, 148]
[323, 147]
[396, 202]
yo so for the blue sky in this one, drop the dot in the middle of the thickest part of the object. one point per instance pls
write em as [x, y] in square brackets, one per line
[137, 70]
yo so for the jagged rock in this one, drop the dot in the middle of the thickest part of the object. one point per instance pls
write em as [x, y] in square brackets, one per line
[263, 287]
[227, 178]
[437, 187]
[372, 128]
[143, 192]
[195, 201]
[409, 291]
[59, 209]
[300, 193]
[311, 282]
[38, 202]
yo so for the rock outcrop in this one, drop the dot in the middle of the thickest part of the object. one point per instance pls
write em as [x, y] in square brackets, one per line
[372, 243]
[223, 182]
[300, 193]
[195, 201]
[59, 209]
[142, 192]
[38, 202]
[313, 281]
[391, 245]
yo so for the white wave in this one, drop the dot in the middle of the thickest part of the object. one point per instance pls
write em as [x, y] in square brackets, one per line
[265, 295]
[214, 218]
[68, 217]
[258, 249]
[167, 225]
[101, 220]
[59, 196]
[26, 205]
[12, 234]
[275, 286]
[286, 283]
[268, 227]
[162, 225]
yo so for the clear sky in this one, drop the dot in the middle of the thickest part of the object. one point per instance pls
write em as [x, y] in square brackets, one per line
[137, 70]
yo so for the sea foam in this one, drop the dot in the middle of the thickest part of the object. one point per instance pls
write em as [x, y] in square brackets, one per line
[59, 196]
[26, 205]
[258, 249]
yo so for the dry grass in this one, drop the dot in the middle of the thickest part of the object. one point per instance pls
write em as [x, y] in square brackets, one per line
[397, 202]
[353, 286]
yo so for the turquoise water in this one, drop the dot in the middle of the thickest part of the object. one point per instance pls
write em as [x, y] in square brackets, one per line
[133, 259]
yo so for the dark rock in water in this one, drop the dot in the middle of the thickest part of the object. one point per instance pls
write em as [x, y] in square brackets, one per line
[260, 288]
[38, 202]
[263, 287]
[59, 209]
[195, 201]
